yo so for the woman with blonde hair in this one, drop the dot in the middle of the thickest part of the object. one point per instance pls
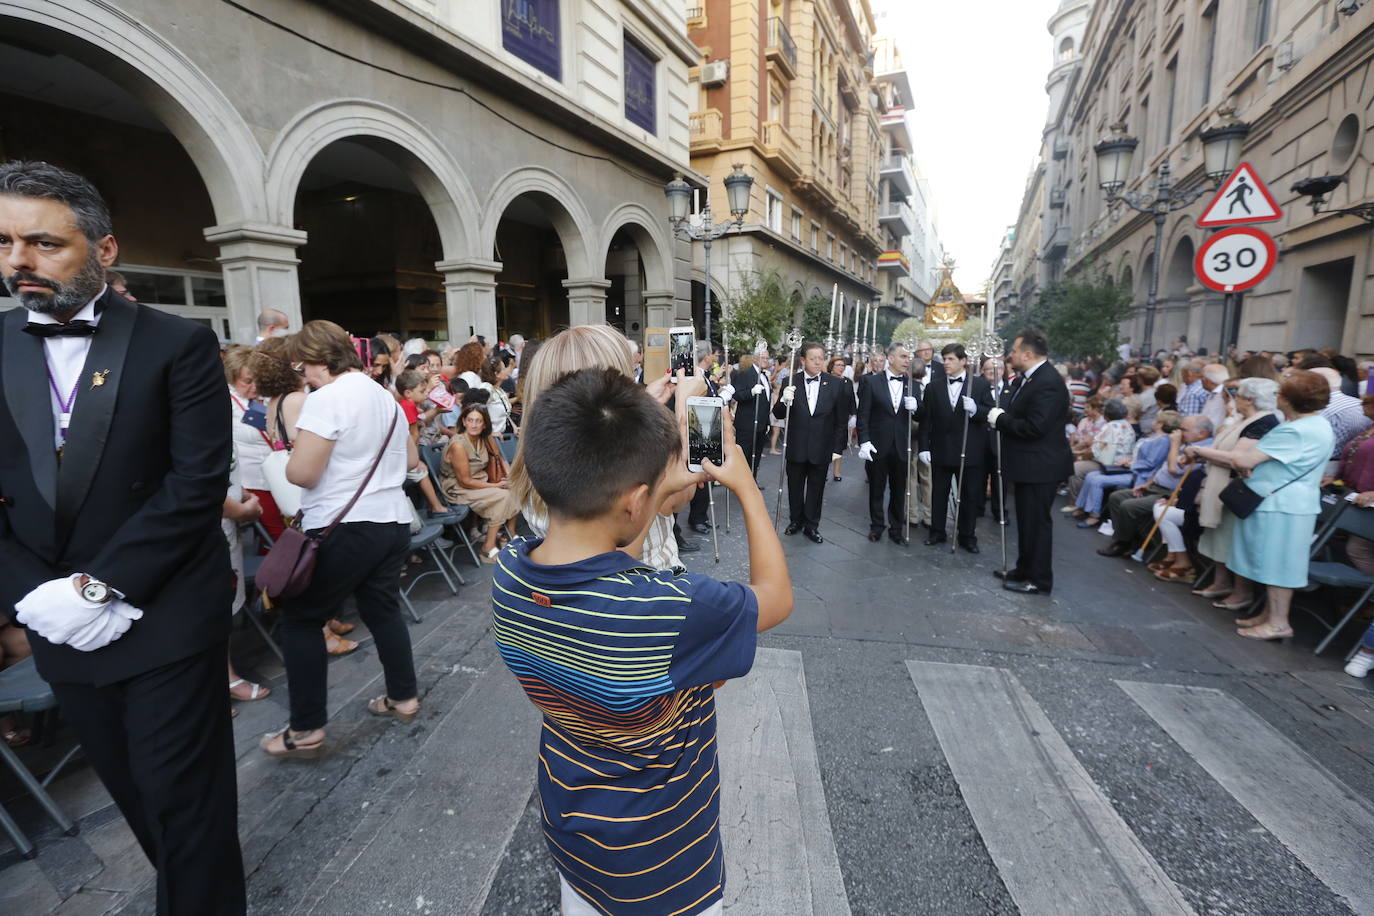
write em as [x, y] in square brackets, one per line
[596, 346]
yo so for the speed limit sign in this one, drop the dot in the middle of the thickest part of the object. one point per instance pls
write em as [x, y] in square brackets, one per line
[1236, 259]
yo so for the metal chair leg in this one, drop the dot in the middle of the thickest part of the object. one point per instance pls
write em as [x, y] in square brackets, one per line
[251, 611]
[35, 788]
[1321, 646]
[17, 837]
[437, 556]
[410, 608]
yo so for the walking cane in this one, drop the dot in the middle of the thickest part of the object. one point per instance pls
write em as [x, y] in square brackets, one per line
[792, 340]
[1139, 555]
[906, 534]
[959, 481]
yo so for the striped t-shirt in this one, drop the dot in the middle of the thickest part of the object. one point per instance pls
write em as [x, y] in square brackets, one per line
[620, 659]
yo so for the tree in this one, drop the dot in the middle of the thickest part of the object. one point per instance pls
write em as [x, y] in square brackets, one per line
[760, 308]
[1082, 316]
[815, 319]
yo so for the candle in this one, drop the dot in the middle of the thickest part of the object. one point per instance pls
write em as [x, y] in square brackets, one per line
[830, 328]
[839, 340]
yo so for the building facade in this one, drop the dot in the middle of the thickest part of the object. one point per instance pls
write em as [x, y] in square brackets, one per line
[786, 88]
[437, 167]
[1298, 72]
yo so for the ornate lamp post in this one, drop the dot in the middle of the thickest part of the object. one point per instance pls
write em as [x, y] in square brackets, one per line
[1221, 148]
[679, 193]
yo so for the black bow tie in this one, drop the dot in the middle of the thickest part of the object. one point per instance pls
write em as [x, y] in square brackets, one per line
[957, 381]
[896, 378]
[814, 378]
[78, 328]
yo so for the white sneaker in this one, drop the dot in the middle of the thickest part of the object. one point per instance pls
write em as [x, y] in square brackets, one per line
[1106, 528]
[1359, 665]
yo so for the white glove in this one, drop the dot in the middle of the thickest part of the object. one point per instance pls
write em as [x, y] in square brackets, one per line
[923, 457]
[970, 408]
[113, 623]
[788, 394]
[867, 451]
[757, 390]
[834, 456]
[909, 403]
[727, 393]
[994, 414]
[58, 613]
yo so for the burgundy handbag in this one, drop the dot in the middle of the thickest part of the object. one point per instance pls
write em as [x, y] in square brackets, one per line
[289, 566]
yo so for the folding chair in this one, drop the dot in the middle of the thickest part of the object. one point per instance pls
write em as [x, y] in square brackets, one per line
[253, 608]
[433, 457]
[22, 690]
[1356, 522]
[426, 542]
[509, 444]
[1333, 506]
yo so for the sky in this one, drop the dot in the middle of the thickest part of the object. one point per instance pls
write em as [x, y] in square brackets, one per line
[977, 71]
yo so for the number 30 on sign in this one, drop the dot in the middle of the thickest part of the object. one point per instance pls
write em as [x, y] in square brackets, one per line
[1236, 259]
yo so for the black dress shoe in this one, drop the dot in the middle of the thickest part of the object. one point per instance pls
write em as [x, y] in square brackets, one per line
[969, 544]
[896, 538]
[685, 546]
[838, 478]
[1115, 549]
[701, 527]
[936, 539]
[791, 529]
[875, 536]
[1008, 575]
[814, 536]
[1025, 588]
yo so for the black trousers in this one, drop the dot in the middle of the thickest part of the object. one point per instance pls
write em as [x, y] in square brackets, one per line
[887, 472]
[745, 429]
[1034, 533]
[699, 509]
[805, 487]
[362, 559]
[162, 744]
[988, 493]
[941, 482]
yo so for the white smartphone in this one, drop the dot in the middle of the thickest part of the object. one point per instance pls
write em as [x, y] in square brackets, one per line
[705, 432]
[681, 345]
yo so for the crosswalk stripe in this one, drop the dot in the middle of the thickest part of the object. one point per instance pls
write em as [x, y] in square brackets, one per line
[1057, 841]
[779, 849]
[1313, 813]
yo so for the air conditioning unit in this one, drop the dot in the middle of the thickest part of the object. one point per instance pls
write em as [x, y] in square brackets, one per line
[715, 73]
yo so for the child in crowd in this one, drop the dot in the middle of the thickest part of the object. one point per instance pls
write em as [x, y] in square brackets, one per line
[622, 659]
[413, 384]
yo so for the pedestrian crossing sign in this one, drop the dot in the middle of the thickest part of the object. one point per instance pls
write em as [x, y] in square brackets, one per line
[1243, 199]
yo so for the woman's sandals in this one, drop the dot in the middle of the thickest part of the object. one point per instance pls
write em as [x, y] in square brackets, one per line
[383, 706]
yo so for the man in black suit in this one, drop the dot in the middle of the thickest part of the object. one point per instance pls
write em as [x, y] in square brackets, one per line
[1035, 458]
[751, 410]
[115, 420]
[817, 423]
[886, 405]
[988, 492]
[954, 435]
[699, 509]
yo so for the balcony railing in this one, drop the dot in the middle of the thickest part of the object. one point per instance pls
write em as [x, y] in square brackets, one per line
[1057, 198]
[705, 127]
[695, 12]
[896, 262]
[781, 47]
[1058, 243]
[897, 216]
[897, 169]
[781, 149]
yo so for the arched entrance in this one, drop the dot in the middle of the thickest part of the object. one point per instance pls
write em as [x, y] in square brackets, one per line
[640, 272]
[1175, 310]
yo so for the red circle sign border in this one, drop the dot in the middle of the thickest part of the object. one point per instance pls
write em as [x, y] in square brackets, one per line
[1264, 238]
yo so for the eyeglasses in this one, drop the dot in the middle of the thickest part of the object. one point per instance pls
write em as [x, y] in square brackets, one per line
[298, 368]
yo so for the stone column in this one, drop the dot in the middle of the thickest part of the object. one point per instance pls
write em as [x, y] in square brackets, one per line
[470, 286]
[259, 263]
[586, 300]
[660, 309]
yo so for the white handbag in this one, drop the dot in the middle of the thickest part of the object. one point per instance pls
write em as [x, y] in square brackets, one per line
[285, 493]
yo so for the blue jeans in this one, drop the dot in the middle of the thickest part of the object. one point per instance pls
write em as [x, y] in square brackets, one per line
[1095, 486]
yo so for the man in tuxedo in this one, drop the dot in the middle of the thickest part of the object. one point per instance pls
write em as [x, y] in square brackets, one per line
[1035, 458]
[115, 420]
[886, 405]
[988, 493]
[751, 410]
[817, 424]
[918, 477]
[699, 511]
[954, 435]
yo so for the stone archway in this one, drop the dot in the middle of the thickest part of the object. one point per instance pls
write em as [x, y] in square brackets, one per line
[654, 305]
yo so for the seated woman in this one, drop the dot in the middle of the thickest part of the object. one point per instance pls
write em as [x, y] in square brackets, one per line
[465, 480]
[1112, 452]
[1084, 442]
[1176, 566]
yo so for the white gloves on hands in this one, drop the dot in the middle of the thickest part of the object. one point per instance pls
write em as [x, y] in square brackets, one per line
[909, 403]
[757, 390]
[970, 408]
[867, 451]
[58, 613]
[835, 456]
[923, 457]
[788, 394]
[727, 393]
[994, 414]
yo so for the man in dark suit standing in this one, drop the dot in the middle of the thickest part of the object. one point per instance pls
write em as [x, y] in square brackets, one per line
[886, 404]
[817, 423]
[115, 420]
[954, 435]
[988, 492]
[1035, 458]
[751, 410]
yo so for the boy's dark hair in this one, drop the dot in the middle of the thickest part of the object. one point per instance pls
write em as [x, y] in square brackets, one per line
[410, 379]
[1315, 361]
[956, 348]
[594, 435]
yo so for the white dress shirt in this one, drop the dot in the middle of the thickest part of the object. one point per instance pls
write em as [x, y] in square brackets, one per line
[66, 358]
[813, 391]
[956, 386]
[895, 386]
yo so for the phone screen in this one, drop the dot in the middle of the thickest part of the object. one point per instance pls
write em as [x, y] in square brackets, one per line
[704, 434]
[680, 346]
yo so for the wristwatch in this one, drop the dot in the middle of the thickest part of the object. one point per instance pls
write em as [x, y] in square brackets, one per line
[96, 592]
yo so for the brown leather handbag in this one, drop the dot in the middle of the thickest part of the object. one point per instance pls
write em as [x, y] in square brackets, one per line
[496, 463]
[289, 566]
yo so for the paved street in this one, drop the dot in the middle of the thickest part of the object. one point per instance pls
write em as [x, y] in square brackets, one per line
[913, 740]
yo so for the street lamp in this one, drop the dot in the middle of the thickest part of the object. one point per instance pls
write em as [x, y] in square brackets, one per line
[1316, 189]
[1221, 149]
[679, 193]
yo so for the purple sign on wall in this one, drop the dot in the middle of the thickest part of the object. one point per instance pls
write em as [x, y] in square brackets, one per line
[639, 87]
[529, 30]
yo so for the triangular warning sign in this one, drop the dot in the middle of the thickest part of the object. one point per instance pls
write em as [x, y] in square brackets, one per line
[1243, 198]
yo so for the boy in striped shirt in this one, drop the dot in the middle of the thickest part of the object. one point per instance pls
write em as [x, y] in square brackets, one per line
[621, 658]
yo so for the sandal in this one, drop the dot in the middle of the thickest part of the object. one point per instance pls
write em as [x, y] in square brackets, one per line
[382, 706]
[259, 692]
[1223, 606]
[1156, 567]
[13, 735]
[1257, 620]
[289, 747]
[1211, 595]
[1176, 574]
[339, 628]
[1265, 632]
[337, 645]
[1092, 521]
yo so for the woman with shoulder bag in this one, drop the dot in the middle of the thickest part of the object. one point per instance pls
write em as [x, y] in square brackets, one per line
[350, 458]
[474, 474]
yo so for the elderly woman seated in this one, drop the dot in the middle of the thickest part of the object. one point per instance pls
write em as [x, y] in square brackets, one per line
[1129, 470]
[1081, 444]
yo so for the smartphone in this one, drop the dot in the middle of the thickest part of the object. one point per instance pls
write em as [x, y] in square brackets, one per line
[681, 344]
[705, 432]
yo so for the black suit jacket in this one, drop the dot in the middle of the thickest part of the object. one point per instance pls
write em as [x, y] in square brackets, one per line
[136, 500]
[877, 422]
[749, 407]
[942, 425]
[813, 438]
[1034, 447]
